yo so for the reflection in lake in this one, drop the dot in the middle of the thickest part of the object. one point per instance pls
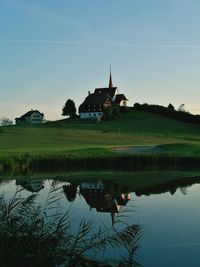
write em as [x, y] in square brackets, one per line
[33, 186]
[168, 213]
[103, 198]
[48, 234]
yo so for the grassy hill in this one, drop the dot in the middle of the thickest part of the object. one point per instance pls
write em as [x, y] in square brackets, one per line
[128, 129]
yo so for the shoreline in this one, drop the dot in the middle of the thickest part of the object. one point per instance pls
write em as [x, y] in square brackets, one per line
[111, 162]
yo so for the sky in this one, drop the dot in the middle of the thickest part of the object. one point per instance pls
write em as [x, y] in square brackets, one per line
[52, 50]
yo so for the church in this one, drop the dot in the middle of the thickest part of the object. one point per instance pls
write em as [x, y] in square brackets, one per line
[102, 98]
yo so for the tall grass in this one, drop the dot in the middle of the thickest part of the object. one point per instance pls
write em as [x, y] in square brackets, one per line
[31, 236]
[130, 162]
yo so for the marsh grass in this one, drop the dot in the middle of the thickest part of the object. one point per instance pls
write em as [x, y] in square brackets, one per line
[147, 162]
[28, 163]
[30, 235]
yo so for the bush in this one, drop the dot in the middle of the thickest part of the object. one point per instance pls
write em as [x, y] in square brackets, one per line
[111, 112]
[169, 112]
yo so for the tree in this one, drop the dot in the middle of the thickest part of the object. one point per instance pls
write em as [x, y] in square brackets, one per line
[181, 108]
[108, 114]
[69, 109]
[171, 107]
[5, 121]
[111, 112]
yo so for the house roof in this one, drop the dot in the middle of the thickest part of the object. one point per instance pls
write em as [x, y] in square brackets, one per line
[97, 98]
[29, 113]
[107, 90]
[119, 98]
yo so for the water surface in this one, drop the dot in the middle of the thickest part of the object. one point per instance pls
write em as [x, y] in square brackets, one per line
[169, 214]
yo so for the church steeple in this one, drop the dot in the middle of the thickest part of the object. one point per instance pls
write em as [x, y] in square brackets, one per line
[110, 80]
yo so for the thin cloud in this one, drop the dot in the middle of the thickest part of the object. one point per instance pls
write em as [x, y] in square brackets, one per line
[65, 42]
[44, 14]
[37, 11]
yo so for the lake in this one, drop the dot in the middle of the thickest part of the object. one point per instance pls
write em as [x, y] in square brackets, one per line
[169, 214]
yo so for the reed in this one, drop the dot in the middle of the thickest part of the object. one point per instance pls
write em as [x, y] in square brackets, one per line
[31, 236]
[127, 162]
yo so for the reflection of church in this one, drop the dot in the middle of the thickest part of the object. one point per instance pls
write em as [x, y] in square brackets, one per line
[103, 200]
[33, 186]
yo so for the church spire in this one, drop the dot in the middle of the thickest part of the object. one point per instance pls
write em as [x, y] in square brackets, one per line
[110, 81]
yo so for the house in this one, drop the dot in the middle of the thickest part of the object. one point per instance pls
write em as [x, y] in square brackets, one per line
[32, 116]
[95, 103]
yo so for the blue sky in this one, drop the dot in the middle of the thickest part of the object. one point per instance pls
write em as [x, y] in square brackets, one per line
[52, 50]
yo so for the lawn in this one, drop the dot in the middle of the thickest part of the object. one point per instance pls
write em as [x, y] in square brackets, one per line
[130, 129]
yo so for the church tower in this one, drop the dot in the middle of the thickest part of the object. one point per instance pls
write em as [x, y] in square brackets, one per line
[110, 80]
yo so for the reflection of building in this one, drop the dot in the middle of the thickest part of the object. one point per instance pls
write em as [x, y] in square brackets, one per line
[31, 185]
[98, 197]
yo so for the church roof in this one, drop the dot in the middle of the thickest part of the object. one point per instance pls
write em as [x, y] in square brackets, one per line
[94, 99]
[119, 98]
[107, 90]
[102, 96]
[110, 80]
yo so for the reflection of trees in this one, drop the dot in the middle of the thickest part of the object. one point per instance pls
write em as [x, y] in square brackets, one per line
[172, 186]
[31, 236]
[70, 191]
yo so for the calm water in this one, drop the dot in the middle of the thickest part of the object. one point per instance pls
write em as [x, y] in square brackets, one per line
[169, 215]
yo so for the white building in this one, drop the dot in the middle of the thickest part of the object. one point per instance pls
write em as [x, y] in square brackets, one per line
[32, 117]
[95, 103]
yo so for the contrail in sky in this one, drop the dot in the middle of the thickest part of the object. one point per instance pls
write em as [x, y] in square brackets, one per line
[63, 42]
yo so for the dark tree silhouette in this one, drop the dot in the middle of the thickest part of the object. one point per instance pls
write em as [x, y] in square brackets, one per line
[69, 109]
[179, 114]
[70, 191]
[171, 107]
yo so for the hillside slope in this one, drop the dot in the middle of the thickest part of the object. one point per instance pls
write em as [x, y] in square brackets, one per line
[129, 129]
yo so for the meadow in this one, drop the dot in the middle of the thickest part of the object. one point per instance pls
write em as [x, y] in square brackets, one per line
[75, 139]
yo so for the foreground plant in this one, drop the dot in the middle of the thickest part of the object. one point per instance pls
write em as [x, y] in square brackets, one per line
[36, 235]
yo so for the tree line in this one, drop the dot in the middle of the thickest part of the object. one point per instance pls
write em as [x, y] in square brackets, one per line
[69, 109]
[170, 112]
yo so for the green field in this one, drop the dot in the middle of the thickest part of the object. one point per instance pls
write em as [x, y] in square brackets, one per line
[135, 128]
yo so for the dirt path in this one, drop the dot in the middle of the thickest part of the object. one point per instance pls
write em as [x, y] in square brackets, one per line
[138, 149]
